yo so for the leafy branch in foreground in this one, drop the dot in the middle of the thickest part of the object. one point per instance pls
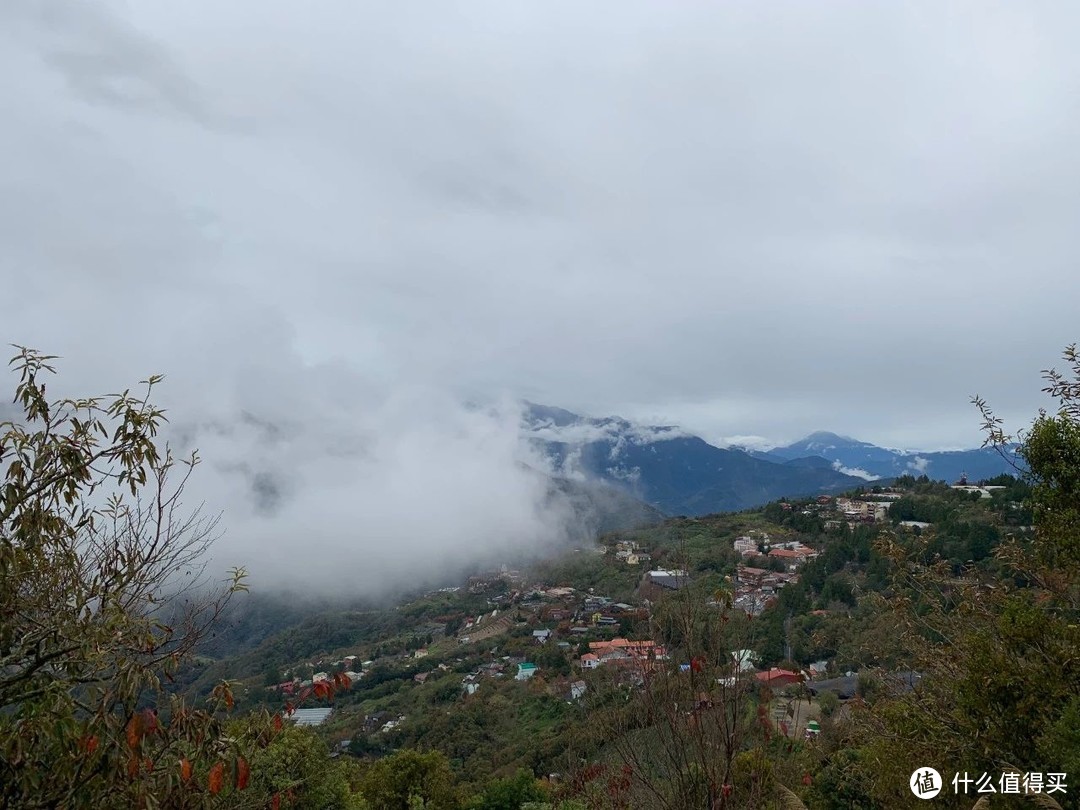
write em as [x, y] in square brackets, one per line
[103, 595]
[997, 644]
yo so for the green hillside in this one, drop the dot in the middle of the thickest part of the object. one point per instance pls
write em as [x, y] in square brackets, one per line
[433, 683]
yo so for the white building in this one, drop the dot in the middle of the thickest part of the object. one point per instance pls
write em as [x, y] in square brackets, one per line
[746, 546]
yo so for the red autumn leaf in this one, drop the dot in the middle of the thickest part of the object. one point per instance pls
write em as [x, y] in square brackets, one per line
[806, 779]
[149, 721]
[321, 690]
[90, 744]
[217, 778]
[726, 790]
[243, 773]
[277, 722]
[346, 681]
[185, 769]
[134, 730]
[275, 802]
[697, 664]
[133, 766]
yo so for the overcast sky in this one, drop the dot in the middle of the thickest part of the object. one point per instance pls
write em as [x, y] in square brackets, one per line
[749, 219]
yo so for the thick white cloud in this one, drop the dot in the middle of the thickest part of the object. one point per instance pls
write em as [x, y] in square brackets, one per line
[743, 218]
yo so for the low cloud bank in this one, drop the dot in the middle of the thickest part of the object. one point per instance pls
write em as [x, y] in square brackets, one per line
[857, 472]
[332, 478]
[371, 497]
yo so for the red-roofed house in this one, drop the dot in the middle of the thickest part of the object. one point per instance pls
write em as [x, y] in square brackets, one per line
[620, 649]
[793, 556]
[778, 677]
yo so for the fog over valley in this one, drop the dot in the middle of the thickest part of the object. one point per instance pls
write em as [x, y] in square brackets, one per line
[356, 239]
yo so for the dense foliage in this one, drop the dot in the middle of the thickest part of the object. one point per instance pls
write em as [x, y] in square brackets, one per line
[102, 601]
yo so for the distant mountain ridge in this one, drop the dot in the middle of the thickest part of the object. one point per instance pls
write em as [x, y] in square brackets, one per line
[682, 474]
[879, 462]
[677, 473]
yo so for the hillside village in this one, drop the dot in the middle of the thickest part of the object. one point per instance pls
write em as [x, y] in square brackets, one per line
[548, 631]
[522, 667]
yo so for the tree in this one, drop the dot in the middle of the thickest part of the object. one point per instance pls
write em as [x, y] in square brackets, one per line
[509, 794]
[103, 596]
[551, 659]
[296, 766]
[410, 779]
[829, 703]
[998, 646]
[685, 717]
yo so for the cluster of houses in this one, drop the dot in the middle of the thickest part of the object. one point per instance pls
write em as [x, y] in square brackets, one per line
[750, 545]
[381, 722]
[621, 651]
[640, 655]
[858, 510]
[792, 554]
[558, 616]
[853, 511]
[503, 668]
[519, 668]
[349, 666]
[562, 616]
[745, 662]
[572, 613]
[759, 544]
[629, 553]
[755, 589]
